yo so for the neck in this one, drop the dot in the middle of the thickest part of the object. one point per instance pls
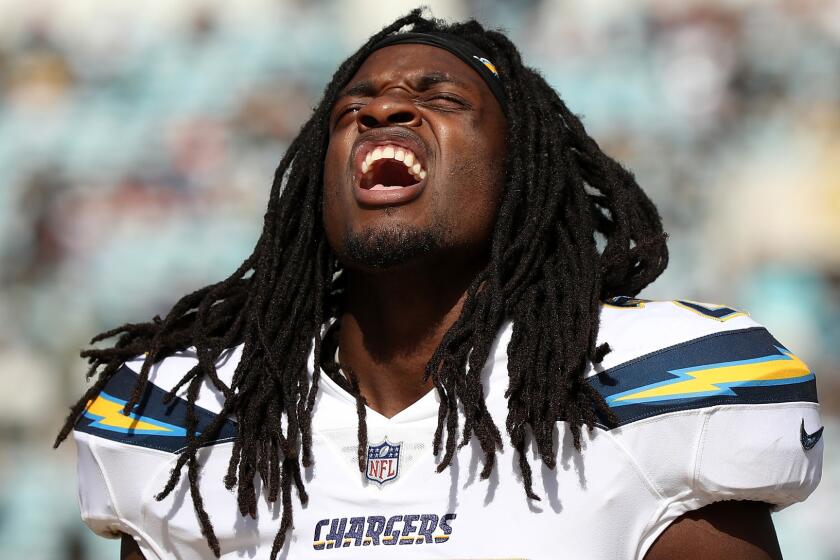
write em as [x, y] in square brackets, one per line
[393, 321]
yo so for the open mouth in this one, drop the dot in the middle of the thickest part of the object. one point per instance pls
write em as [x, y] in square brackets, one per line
[390, 167]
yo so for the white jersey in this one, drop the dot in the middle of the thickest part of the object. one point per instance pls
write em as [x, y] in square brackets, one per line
[710, 407]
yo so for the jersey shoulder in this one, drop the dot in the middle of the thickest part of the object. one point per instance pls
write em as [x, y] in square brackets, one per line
[668, 356]
[635, 327]
[158, 421]
[119, 454]
[709, 404]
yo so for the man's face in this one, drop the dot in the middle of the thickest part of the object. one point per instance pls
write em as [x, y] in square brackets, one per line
[415, 163]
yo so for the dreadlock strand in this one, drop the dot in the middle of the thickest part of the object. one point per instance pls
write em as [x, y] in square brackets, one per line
[361, 413]
[324, 274]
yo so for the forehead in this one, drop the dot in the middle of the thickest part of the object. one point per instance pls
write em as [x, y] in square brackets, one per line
[413, 62]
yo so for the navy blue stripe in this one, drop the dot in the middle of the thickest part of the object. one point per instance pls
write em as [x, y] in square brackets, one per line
[151, 406]
[728, 346]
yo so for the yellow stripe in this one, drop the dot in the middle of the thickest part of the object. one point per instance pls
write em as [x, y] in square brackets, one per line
[711, 379]
[111, 414]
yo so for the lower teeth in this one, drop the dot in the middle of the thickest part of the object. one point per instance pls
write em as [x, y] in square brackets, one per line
[385, 187]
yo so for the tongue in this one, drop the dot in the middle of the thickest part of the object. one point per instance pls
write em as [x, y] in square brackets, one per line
[386, 187]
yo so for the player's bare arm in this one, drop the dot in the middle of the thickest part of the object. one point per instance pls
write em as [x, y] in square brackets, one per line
[723, 530]
[129, 549]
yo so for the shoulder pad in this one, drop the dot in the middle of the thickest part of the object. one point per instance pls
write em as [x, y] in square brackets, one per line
[152, 424]
[670, 357]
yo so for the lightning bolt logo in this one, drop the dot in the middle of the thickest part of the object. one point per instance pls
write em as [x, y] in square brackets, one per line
[108, 413]
[490, 66]
[718, 379]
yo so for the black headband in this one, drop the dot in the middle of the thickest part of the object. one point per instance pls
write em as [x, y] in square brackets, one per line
[461, 48]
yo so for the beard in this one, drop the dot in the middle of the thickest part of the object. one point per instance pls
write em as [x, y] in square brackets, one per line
[383, 248]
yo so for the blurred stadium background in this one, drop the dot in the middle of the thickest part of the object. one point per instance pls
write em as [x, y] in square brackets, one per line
[138, 143]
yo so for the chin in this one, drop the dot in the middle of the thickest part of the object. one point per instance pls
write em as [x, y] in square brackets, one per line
[389, 247]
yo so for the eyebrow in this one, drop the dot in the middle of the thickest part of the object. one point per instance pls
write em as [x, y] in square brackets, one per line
[363, 88]
[366, 88]
[427, 81]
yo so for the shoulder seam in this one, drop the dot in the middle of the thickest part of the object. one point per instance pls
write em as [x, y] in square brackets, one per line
[698, 449]
[636, 466]
[94, 452]
[122, 443]
[711, 408]
[208, 444]
[766, 400]
[148, 492]
[120, 517]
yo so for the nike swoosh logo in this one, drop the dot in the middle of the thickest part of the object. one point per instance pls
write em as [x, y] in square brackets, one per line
[809, 440]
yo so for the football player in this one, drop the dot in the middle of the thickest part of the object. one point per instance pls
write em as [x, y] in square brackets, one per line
[434, 351]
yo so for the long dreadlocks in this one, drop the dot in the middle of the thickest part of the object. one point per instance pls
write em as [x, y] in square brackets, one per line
[545, 272]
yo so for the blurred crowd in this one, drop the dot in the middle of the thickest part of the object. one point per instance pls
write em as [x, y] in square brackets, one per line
[138, 143]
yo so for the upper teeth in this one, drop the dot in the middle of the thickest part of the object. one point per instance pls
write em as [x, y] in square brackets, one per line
[397, 153]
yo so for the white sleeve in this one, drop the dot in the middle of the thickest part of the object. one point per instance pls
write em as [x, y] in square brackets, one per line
[766, 453]
[751, 452]
[115, 484]
[124, 460]
[710, 409]
[95, 501]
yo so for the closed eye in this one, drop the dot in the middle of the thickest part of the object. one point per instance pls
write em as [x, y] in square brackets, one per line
[350, 109]
[346, 110]
[445, 100]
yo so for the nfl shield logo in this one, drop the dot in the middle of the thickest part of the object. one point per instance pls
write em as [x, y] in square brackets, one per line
[383, 463]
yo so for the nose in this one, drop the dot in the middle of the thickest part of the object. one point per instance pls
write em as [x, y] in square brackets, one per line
[387, 110]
